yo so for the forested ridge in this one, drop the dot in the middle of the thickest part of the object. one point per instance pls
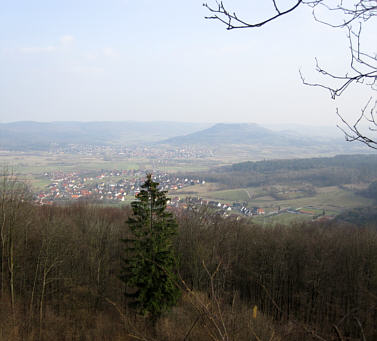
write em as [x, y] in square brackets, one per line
[348, 161]
[324, 171]
[61, 266]
[42, 136]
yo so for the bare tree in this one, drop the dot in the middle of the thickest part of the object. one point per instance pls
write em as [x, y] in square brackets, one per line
[351, 16]
[14, 209]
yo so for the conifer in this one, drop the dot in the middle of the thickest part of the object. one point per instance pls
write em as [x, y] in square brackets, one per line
[148, 268]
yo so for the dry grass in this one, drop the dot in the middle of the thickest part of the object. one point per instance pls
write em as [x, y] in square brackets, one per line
[188, 321]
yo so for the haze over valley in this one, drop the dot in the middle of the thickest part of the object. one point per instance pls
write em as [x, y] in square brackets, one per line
[107, 162]
[188, 171]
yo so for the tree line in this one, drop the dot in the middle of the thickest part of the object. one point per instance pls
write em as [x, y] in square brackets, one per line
[331, 171]
[61, 269]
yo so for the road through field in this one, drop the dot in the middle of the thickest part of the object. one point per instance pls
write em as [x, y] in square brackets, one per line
[248, 193]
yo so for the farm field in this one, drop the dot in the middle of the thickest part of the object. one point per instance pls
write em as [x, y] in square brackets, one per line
[331, 199]
[284, 218]
[35, 163]
[312, 200]
[30, 166]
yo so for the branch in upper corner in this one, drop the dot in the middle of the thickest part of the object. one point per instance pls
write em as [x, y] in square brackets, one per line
[363, 68]
[232, 21]
[353, 132]
[360, 11]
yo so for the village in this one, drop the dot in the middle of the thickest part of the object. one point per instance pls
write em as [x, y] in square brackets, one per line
[238, 209]
[152, 152]
[235, 209]
[117, 186]
[105, 185]
[121, 186]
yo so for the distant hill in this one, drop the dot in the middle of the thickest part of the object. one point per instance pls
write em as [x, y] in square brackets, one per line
[319, 172]
[240, 134]
[338, 161]
[28, 135]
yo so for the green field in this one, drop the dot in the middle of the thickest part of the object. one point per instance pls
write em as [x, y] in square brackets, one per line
[238, 195]
[284, 218]
[332, 199]
[31, 167]
[36, 163]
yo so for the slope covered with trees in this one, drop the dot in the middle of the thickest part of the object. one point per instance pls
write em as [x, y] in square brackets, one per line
[324, 171]
[61, 266]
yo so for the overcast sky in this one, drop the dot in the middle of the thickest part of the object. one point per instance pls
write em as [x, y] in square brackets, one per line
[142, 60]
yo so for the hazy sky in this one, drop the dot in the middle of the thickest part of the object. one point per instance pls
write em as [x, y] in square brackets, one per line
[161, 60]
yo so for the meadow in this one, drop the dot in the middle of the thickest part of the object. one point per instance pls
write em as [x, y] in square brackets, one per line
[332, 199]
[30, 166]
[282, 195]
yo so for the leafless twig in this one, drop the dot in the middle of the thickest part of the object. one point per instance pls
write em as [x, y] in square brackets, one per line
[354, 133]
[232, 21]
[362, 66]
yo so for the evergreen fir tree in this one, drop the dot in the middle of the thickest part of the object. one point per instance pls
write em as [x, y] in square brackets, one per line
[148, 268]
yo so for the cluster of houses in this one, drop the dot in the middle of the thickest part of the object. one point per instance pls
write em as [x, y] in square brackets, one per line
[223, 209]
[122, 185]
[106, 185]
[150, 152]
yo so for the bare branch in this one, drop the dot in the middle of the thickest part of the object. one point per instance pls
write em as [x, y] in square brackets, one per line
[362, 68]
[233, 21]
[353, 133]
[276, 7]
[363, 338]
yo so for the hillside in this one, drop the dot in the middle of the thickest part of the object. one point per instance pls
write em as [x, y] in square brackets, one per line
[240, 134]
[66, 282]
[40, 136]
[320, 171]
[230, 138]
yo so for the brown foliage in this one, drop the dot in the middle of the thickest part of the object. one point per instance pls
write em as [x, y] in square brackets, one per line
[308, 281]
